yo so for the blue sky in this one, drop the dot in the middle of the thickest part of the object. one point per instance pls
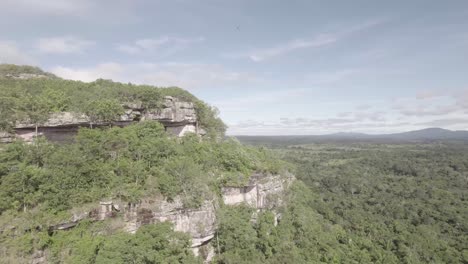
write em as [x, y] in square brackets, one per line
[270, 67]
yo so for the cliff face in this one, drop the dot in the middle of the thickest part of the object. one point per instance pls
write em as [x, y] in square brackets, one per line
[178, 118]
[25, 76]
[264, 192]
[6, 137]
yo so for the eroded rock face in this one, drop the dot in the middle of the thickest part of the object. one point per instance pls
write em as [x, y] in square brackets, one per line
[173, 111]
[25, 76]
[178, 117]
[62, 119]
[262, 192]
[200, 222]
[39, 257]
[6, 137]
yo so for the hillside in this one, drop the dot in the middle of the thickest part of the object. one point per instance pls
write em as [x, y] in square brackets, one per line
[430, 134]
[124, 188]
[119, 176]
[34, 99]
[23, 72]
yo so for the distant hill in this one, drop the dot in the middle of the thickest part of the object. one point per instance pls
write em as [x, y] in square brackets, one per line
[428, 134]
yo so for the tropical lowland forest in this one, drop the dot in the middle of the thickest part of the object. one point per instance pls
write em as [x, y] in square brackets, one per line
[392, 203]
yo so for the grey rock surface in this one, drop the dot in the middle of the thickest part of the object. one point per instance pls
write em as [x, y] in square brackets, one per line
[178, 118]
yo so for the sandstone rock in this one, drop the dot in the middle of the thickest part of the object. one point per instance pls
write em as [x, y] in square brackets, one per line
[59, 120]
[173, 111]
[198, 222]
[24, 76]
[137, 105]
[39, 257]
[178, 118]
[6, 137]
[263, 191]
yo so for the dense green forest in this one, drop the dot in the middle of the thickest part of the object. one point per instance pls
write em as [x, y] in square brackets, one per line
[354, 203]
[379, 203]
[42, 183]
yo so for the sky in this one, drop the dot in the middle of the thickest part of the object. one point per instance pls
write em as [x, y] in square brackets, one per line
[271, 67]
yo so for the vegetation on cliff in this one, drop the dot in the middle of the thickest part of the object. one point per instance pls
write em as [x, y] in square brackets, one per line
[125, 163]
[99, 243]
[34, 99]
[41, 184]
[352, 203]
[12, 70]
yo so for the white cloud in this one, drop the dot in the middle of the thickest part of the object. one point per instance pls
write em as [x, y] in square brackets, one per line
[447, 122]
[319, 41]
[461, 99]
[449, 111]
[364, 107]
[87, 12]
[420, 110]
[431, 103]
[309, 126]
[163, 46]
[105, 71]
[427, 94]
[10, 53]
[330, 77]
[63, 45]
[264, 99]
[51, 7]
[259, 55]
[188, 76]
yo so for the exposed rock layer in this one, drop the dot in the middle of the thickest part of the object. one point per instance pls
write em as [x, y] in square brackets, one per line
[178, 118]
[262, 193]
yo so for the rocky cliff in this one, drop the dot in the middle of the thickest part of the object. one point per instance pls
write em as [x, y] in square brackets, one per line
[178, 118]
[264, 192]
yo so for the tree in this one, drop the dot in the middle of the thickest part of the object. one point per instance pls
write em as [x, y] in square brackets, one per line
[34, 110]
[155, 243]
[7, 113]
[55, 100]
[18, 189]
[150, 97]
[236, 238]
[103, 111]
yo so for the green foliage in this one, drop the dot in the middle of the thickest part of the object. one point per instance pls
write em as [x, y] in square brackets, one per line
[6, 69]
[34, 110]
[396, 203]
[359, 204]
[55, 100]
[103, 111]
[87, 244]
[150, 97]
[125, 163]
[7, 113]
[33, 100]
[236, 238]
[186, 178]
